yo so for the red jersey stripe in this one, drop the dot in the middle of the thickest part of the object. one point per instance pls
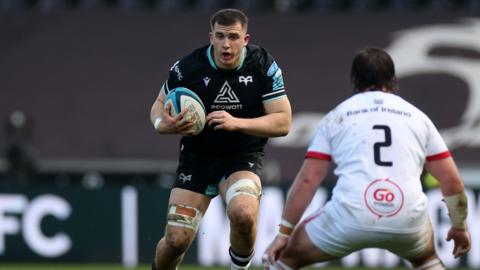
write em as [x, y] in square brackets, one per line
[439, 156]
[318, 155]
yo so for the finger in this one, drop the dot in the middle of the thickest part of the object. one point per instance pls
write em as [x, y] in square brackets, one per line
[186, 126]
[210, 122]
[265, 260]
[186, 119]
[458, 252]
[215, 114]
[450, 235]
[271, 257]
[168, 108]
[214, 122]
[181, 114]
[218, 127]
[212, 115]
[455, 250]
[210, 119]
[183, 123]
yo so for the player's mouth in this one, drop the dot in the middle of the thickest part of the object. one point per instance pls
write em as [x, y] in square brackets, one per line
[226, 56]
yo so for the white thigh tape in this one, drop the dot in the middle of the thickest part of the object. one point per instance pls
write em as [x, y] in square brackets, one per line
[184, 216]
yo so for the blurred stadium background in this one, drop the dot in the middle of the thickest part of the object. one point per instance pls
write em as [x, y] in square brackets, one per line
[84, 178]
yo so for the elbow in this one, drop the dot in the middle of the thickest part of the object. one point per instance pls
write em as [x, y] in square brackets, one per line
[284, 128]
[307, 183]
[282, 132]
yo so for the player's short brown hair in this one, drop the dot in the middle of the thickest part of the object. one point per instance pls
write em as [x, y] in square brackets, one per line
[373, 68]
[229, 16]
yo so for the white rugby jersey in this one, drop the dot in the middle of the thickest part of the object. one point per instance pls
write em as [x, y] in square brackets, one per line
[379, 143]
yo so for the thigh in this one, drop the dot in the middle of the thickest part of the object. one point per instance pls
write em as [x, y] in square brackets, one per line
[246, 165]
[235, 177]
[301, 251]
[189, 198]
[330, 235]
[199, 173]
[185, 211]
[247, 161]
[242, 191]
[418, 247]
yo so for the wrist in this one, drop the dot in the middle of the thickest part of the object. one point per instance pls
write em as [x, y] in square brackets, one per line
[286, 228]
[457, 210]
[157, 123]
[459, 229]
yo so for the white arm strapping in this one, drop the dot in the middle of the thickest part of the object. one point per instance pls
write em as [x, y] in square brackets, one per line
[457, 210]
[157, 123]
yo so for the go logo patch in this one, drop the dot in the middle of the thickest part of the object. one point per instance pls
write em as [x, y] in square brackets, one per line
[383, 198]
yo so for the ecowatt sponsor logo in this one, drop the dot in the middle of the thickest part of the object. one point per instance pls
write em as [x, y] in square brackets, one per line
[226, 96]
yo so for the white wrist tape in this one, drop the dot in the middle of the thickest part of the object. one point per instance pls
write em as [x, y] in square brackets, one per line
[286, 228]
[287, 224]
[157, 123]
[457, 210]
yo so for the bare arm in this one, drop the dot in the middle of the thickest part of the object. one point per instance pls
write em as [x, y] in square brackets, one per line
[311, 175]
[446, 172]
[301, 193]
[162, 120]
[276, 122]
[157, 107]
[452, 188]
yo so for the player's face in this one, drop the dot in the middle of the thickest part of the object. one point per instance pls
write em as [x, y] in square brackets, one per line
[228, 43]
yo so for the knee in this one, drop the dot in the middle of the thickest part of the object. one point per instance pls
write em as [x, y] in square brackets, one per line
[243, 215]
[182, 226]
[177, 243]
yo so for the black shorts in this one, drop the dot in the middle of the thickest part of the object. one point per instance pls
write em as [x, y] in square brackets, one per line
[202, 173]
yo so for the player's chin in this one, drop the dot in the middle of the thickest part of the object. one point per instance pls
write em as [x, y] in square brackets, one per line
[228, 59]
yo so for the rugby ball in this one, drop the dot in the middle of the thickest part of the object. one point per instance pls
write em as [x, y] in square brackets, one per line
[182, 98]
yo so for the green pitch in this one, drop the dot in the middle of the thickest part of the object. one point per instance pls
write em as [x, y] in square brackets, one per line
[119, 267]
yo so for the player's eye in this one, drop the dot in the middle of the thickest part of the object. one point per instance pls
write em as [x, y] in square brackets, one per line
[233, 36]
[219, 35]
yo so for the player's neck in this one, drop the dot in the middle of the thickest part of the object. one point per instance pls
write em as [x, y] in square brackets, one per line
[373, 89]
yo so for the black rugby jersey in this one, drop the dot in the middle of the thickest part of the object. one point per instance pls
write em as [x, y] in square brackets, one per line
[240, 92]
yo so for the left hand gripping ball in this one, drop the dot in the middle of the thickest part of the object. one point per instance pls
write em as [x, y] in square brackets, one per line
[182, 98]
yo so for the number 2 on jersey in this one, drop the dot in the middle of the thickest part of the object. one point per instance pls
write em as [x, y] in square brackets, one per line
[378, 145]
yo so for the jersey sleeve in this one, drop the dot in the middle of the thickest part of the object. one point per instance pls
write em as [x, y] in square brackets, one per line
[175, 77]
[319, 147]
[436, 147]
[275, 87]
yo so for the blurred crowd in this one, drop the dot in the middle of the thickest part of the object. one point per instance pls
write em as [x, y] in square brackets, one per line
[264, 5]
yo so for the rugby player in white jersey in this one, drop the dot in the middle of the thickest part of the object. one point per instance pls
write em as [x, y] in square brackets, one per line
[380, 143]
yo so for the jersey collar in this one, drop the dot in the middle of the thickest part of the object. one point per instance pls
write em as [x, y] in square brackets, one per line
[212, 62]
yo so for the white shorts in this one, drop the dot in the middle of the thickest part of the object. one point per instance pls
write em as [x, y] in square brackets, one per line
[338, 239]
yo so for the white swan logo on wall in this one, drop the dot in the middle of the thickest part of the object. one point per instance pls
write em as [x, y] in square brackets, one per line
[410, 52]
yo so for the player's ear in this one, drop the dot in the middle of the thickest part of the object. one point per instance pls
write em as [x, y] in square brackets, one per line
[210, 37]
[246, 39]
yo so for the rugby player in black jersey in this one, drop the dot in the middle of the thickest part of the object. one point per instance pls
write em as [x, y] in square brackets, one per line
[243, 92]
